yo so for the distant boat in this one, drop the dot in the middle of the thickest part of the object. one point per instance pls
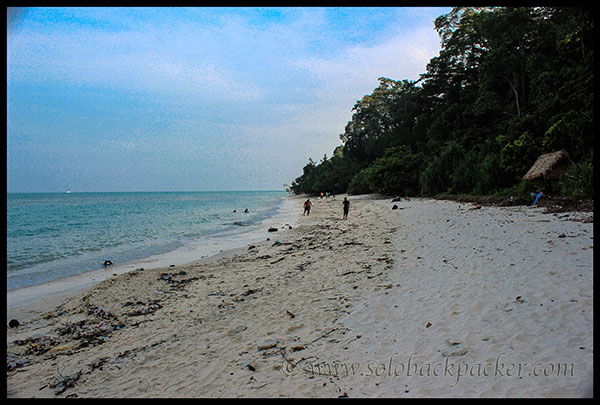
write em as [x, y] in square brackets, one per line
[68, 191]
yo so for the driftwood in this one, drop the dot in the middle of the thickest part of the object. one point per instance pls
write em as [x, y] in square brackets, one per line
[278, 260]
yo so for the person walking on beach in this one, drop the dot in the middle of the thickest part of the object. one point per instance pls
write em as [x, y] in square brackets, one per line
[307, 205]
[346, 204]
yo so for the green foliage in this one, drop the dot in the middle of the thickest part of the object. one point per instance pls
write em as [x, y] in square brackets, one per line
[360, 183]
[490, 175]
[509, 84]
[517, 156]
[521, 190]
[397, 172]
[578, 181]
[568, 132]
[331, 175]
[437, 176]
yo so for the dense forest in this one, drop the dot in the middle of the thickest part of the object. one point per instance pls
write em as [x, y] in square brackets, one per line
[509, 84]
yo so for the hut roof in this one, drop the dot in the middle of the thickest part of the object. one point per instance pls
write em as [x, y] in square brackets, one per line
[548, 166]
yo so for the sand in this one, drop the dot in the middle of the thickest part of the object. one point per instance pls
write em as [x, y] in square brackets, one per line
[434, 299]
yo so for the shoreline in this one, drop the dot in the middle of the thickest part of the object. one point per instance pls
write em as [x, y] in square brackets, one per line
[432, 282]
[27, 301]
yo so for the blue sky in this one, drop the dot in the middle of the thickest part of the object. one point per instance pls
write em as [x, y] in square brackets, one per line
[191, 99]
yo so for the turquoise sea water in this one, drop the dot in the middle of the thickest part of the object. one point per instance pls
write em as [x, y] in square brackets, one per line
[56, 235]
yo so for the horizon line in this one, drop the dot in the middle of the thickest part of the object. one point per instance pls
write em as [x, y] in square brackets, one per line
[141, 191]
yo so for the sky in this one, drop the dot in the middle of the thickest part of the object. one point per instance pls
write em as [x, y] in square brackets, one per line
[194, 99]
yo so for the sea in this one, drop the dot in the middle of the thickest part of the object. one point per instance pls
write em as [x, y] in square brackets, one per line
[52, 236]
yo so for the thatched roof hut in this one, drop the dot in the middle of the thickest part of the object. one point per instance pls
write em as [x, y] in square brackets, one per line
[549, 166]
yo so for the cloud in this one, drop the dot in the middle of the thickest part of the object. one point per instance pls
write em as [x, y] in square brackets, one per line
[355, 70]
[265, 88]
[206, 79]
[159, 62]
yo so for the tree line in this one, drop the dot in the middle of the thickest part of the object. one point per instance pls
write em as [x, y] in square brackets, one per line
[509, 84]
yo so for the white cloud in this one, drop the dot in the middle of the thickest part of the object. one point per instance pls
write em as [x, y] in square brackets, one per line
[205, 79]
[354, 72]
[269, 91]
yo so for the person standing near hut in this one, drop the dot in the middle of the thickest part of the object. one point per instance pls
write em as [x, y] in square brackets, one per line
[537, 196]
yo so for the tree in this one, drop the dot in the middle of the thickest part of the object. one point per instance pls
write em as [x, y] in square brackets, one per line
[508, 84]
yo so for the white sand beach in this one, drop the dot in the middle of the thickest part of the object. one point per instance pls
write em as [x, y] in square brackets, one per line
[433, 299]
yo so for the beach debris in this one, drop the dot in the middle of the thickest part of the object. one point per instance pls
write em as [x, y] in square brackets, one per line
[394, 207]
[251, 367]
[460, 352]
[329, 333]
[54, 314]
[168, 277]
[99, 311]
[251, 247]
[13, 323]
[61, 383]
[15, 364]
[278, 260]
[38, 344]
[268, 344]
[291, 314]
[60, 348]
[295, 327]
[251, 291]
[428, 324]
[88, 332]
[302, 266]
[239, 329]
[272, 229]
[297, 348]
[151, 306]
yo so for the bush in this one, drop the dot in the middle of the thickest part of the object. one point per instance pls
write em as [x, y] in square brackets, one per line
[397, 172]
[578, 181]
[438, 174]
[360, 183]
[521, 190]
[517, 156]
